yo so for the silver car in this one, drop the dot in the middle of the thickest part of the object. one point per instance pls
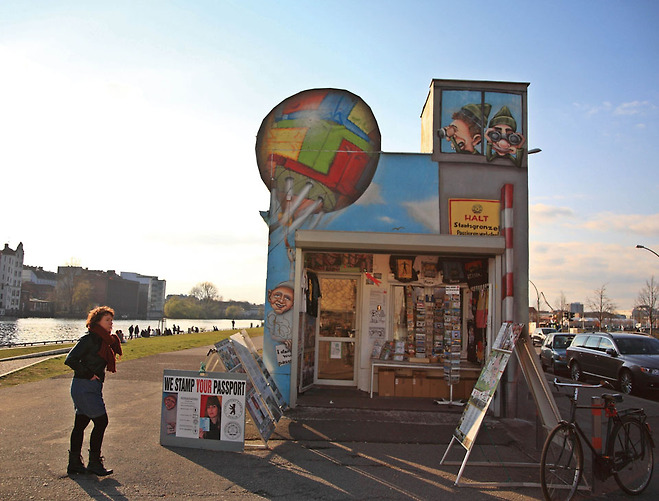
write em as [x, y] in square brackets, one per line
[539, 334]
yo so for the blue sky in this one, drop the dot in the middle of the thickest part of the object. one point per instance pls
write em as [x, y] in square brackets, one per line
[127, 129]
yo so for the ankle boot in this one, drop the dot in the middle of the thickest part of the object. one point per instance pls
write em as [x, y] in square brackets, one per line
[95, 465]
[75, 464]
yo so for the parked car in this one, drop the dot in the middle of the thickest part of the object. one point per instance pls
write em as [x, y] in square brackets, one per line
[552, 353]
[630, 360]
[539, 334]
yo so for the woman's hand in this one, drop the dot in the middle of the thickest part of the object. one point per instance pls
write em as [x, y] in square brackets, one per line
[95, 378]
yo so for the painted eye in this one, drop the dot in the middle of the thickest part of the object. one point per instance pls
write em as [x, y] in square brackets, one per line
[514, 139]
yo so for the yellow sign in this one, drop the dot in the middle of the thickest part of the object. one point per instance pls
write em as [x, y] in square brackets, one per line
[470, 216]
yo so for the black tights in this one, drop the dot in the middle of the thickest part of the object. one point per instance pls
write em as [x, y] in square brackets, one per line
[96, 439]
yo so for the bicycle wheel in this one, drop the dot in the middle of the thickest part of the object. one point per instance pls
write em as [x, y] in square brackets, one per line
[633, 458]
[561, 464]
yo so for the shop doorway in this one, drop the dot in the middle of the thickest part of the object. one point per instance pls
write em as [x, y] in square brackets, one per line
[336, 341]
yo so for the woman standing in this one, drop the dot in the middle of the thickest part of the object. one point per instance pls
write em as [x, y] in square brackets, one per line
[95, 352]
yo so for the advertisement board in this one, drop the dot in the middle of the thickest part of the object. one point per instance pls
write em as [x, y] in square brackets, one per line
[203, 410]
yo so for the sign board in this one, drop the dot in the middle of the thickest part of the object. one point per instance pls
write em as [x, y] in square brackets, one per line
[263, 400]
[469, 216]
[487, 383]
[203, 410]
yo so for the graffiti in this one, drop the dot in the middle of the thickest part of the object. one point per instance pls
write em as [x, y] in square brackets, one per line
[317, 153]
[465, 127]
[503, 140]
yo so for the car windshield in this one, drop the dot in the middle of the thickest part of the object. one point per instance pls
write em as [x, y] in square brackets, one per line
[640, 346]
[562, 341]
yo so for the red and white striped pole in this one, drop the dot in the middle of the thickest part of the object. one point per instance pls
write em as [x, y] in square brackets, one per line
[507, 231]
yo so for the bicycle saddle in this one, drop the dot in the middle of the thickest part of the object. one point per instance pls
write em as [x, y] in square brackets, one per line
[612, 397]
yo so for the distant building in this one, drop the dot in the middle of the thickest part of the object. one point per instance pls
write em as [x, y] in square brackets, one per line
[81, 289]
[38, 292]
[151, 302]
[576, 308]
[11, 271]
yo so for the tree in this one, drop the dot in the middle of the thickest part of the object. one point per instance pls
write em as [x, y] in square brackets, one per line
[647, 301]
[82, 293]
[562, 308]
[177, 307]
[234, 311]
[601, 304]
[206, 292]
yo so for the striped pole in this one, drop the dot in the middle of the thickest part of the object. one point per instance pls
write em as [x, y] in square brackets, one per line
[507, 231]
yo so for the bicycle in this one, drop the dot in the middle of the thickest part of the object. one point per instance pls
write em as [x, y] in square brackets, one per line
[628, 455]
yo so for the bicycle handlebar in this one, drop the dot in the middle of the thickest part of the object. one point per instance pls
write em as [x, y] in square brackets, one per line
[577, 385]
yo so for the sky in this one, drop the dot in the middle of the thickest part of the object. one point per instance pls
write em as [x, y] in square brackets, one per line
[127, 129]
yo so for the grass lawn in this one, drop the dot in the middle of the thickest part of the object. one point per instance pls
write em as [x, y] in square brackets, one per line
[135, 348]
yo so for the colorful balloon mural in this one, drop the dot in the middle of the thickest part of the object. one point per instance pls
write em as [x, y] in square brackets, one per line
[317, 152]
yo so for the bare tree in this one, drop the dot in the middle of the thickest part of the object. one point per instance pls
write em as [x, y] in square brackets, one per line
[563, 308]
[206, 292]
[647, 301]
[601, 304]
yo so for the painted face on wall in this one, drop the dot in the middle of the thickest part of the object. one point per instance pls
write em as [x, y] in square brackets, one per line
[460, 137]
[281, 299]
[504, 140]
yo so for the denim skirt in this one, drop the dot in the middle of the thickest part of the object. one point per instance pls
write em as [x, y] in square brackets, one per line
[87, 395]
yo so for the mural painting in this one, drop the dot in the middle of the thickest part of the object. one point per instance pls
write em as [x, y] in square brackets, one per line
[317, 152]
[474, 120]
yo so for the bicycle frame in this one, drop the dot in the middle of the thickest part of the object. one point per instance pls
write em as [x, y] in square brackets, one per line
[603, 466]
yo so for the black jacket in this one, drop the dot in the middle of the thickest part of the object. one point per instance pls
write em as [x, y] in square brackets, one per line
[84, 358]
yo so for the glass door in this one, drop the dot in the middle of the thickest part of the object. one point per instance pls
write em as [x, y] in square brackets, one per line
[337, 331]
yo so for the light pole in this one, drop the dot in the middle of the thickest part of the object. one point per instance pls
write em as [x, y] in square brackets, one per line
[537, 311]
[639, 246]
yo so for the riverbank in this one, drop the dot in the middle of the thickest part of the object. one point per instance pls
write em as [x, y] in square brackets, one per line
[52, 364]
[38, 330]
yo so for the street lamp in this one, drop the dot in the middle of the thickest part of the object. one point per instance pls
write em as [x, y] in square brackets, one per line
[639, 246]
[537, 311]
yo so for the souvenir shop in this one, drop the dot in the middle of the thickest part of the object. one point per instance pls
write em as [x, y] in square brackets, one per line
[395, 325]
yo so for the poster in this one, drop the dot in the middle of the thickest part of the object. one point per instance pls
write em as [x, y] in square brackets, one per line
[203, 410]
[488, 381]
[263, 400]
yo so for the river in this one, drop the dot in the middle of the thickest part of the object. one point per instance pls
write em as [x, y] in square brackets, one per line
[29, 330]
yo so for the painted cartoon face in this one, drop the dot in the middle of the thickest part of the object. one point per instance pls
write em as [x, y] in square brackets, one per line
[460, 138]
[281, 299]
[170, 402]
[504, 140]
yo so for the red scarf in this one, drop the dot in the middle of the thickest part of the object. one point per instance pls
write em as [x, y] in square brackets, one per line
[110, 346]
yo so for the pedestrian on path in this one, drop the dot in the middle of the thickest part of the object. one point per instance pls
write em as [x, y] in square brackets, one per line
[94, 353]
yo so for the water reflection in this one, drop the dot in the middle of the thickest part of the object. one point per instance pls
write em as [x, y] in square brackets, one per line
[28, 330]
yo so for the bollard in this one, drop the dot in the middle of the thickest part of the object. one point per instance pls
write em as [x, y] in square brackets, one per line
[597, 404]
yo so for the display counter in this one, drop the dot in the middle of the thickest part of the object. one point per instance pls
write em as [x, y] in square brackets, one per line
[425, 380]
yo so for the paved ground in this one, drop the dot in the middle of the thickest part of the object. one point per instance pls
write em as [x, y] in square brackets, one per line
[345, 447]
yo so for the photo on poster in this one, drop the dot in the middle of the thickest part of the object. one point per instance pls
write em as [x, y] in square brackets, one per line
[211, 417]
[168, 413]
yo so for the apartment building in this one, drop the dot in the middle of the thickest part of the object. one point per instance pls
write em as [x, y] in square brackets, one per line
[11, 269]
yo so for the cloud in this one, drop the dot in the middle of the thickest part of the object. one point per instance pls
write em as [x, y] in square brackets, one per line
[543, 213]
[623, 109]
[424, 212]
[576, 269]
[639, 224]
[372, 196]
[633, 108]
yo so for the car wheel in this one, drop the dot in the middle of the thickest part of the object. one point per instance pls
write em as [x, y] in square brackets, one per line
[626, 383]
[575, 371]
